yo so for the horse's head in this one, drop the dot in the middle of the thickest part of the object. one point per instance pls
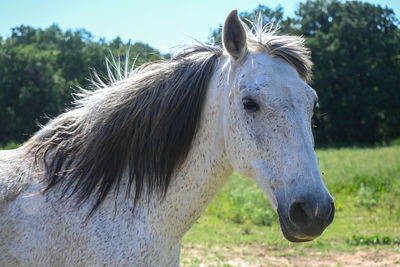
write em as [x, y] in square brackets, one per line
[268, 133]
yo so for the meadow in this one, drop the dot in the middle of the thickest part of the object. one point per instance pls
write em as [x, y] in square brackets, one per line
[240, 228]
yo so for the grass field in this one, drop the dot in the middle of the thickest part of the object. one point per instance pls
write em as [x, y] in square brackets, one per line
[240, 227]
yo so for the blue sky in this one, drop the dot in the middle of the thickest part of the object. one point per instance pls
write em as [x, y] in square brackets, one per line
[162, 24]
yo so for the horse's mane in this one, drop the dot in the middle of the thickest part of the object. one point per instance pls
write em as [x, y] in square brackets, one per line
[142, 124]
[263, 37]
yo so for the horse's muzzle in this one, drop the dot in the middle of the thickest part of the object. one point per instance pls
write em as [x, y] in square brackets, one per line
[306, 218]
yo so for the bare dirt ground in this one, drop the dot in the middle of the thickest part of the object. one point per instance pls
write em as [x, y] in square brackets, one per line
[261, 257]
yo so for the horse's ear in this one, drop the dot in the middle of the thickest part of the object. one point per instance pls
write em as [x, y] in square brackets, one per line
[234, 36]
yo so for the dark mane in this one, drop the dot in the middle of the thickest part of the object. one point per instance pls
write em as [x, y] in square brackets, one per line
[142, 125]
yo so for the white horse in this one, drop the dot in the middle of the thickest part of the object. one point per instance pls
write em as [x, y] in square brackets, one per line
[121, 177]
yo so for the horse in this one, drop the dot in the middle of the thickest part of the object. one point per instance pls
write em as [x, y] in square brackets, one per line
[120, 177]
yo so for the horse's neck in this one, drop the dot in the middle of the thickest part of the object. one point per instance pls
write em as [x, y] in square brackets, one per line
[193, 186]
[14, 174]
[202, 174]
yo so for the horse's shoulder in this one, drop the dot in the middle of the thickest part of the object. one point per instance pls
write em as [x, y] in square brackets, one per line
[14, 174]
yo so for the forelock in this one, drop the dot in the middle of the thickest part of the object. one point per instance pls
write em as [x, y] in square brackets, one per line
[264, 37]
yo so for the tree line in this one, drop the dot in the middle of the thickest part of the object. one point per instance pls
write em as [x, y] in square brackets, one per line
[39, 70]
[355, 49]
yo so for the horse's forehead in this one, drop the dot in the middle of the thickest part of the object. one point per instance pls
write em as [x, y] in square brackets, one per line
[261, 68]
[272, 76]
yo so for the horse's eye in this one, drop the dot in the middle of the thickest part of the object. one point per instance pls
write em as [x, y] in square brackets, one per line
[249, 105]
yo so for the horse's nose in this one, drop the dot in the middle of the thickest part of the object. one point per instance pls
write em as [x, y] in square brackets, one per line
[312, 216]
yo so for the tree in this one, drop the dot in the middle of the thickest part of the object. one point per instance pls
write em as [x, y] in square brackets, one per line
[356, 50]
[39, 69]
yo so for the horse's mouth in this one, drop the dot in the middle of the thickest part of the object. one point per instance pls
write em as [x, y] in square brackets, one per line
[292, 237]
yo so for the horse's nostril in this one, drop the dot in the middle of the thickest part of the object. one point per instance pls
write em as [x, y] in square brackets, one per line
[297, 213]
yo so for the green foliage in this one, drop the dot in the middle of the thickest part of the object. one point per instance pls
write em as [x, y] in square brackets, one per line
[11, 145]
[360, 240]
[242, 202]
[377, 183]
[39, 68]
[366, 196]
[355, 47]
[370, 178]
[395, 142]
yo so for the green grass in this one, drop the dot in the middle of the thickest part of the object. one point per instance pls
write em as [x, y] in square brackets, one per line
[364, 182]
